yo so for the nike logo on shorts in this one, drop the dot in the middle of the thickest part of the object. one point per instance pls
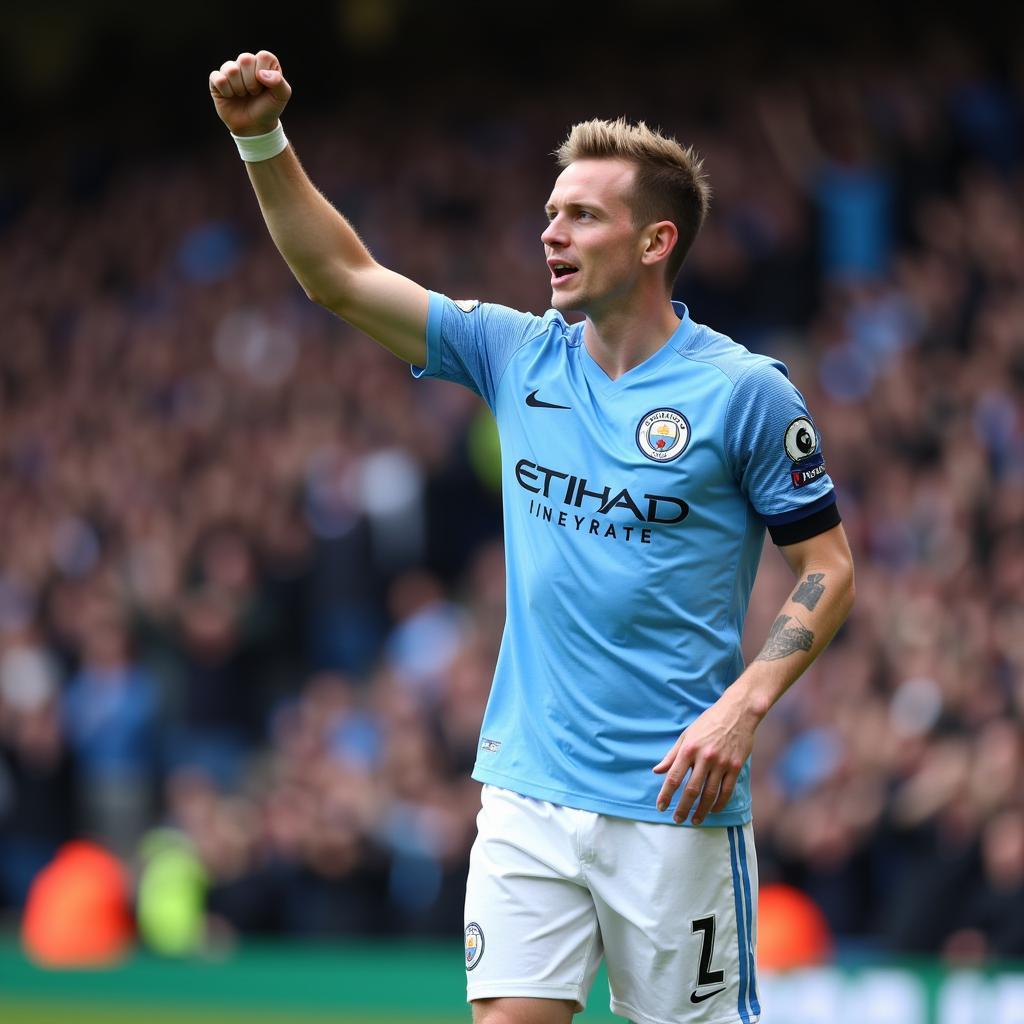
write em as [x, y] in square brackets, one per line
[533, 401]
[694, 998]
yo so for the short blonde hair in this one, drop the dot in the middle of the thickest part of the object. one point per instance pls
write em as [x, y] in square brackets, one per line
[670, 182]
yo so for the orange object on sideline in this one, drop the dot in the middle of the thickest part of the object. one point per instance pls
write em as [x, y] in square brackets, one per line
[77, 912]
[791, 930]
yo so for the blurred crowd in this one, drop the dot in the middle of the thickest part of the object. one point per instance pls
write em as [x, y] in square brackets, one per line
[253, 584]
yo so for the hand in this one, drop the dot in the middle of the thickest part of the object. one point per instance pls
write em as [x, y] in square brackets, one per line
[250, 93]
[715, 747]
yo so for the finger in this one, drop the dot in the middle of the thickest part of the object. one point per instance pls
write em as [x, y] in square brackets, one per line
[273, 80]
[674, 779]
[266, 61]
[233, 73]
[728, 785]
[712, 785]
[247, 65]
[691, 791]
[662, 765]
[219, 85]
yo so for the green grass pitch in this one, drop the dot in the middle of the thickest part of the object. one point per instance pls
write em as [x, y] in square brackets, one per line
[38, 1012]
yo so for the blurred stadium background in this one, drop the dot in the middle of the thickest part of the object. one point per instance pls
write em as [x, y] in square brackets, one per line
[251, 588]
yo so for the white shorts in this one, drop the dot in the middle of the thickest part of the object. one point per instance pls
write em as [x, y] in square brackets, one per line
[553, 889]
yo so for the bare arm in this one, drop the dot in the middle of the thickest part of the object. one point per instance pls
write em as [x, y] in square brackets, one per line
[806, 623]
[718, 743]
[323, 251]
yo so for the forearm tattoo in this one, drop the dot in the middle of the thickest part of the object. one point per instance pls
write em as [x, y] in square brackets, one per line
[810, 590]
[784, 640]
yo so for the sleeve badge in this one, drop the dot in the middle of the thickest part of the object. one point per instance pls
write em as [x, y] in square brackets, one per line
[801, 439]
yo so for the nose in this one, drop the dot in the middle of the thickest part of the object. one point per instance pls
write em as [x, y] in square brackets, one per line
[553, 235]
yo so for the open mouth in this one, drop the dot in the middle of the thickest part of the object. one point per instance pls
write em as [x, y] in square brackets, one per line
[562, 270]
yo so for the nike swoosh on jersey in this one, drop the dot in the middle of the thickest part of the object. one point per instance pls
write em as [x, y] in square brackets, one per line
[533, 401]
[694, 998]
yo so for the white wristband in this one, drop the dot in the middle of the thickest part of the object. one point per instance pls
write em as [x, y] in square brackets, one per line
[254, 148]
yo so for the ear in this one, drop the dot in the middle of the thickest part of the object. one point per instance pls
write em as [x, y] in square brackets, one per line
[661, 239]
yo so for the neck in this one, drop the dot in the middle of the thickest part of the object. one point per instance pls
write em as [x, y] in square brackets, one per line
[623, 337]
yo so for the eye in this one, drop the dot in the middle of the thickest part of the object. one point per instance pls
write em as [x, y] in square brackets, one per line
[584, 215]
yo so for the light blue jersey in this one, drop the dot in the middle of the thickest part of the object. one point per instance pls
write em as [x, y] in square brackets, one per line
[635, 513]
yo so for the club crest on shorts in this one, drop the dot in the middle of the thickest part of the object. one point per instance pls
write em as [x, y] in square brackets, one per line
[663, 434]
[474, 945]
[467, 305]
[801, 439]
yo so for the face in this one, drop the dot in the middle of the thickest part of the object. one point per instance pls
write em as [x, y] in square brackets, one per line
[592, 248]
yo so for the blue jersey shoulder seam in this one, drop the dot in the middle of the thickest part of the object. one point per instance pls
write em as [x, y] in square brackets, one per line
[724, 446]
[694, 358]
[728, 406]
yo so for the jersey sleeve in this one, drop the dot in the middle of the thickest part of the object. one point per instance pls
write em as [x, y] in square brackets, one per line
[776, 455]
[471, 342]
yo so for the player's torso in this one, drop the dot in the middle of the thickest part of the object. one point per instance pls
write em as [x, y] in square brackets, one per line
[627, 478]
[628, 542]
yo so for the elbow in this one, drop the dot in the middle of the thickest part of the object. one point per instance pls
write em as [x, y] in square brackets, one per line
[326, 285]
[314, 290]
[307, 286]
[333, 291]
[324, 301]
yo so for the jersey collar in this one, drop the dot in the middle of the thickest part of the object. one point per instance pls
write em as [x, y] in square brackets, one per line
[676, 343]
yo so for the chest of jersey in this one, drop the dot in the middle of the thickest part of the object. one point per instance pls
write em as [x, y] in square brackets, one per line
[645, 451]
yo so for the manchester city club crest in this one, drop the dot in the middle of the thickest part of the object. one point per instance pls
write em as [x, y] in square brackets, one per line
[474, 945]
[663, 435]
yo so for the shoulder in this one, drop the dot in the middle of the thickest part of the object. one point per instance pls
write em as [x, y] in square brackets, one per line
[734, 361]
[557, 328]
[550, 331]
[495, 318]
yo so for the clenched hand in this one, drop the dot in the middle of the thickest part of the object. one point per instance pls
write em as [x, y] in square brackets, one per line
[250, 93]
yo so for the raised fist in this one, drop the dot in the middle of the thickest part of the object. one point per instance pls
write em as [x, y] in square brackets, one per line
[250, 93]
